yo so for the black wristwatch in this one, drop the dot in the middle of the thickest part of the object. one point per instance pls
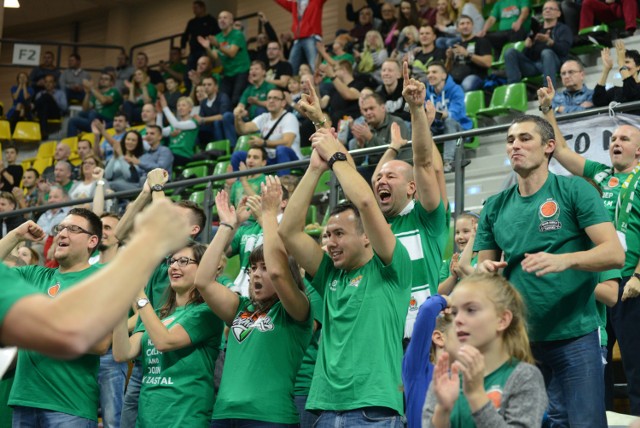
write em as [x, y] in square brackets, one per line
[157, 188]
[636, 274]
[337, 156]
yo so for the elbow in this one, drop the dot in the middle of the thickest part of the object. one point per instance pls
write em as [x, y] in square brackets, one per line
[71, 344]
[119, 358]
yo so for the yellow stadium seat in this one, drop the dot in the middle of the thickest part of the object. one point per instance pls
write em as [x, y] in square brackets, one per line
[5, 130]
[46, 149]
[26, 164]
[72, 142]
[137, 128]
[27, 132]
[87, 136]
[40, 164]
[74, 159]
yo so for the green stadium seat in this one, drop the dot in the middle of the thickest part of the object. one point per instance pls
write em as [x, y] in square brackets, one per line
[474, 101]
[506, 99]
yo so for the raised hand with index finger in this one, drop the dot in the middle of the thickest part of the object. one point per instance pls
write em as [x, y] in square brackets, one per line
[545, 95]
[413, 90]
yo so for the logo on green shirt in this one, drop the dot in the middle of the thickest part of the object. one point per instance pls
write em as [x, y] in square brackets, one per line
[53, 290]
[549, 212]
[246, 322]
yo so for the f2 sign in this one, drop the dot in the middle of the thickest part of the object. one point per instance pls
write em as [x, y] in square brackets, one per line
[26, 54]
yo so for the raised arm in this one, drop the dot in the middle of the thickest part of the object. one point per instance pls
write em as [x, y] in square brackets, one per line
[276, 259]
[359, 192]
[569, 159]
[427, 187]
[70, 324]
[222, 301]
[301, 246]
[156, 176]
[27, 231]
[392, 152]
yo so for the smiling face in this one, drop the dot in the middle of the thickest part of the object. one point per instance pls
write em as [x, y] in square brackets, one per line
[390, 73]
[254, 159]
[405, 9]
[109, 239]
[436, 76]
[427, 36]
[394, 187]
[464, 231]
[184, 108]
[88, 165]
[346, 241]
[131, 142]
[624, 148]
[73, 248]
[182, 278]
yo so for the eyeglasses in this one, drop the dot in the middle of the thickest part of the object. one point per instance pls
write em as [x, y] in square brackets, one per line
[182, 261]
[569, 72]
[274, 99]
[72, 228]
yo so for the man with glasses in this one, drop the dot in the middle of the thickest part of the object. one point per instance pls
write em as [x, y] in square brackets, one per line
[575, 96]
[545, 48]
[278, 71]
[59, 313]
[279, 133]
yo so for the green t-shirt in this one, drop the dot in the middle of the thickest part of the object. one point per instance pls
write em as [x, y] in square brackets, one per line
[360, 355]
[248, 237]
[611, 186]
[494, 382]
[184, 143]
[151, 90]
[108, 111]
[337, 58]
[179, 67]
[239, 63]
[264, 352]
[177, 386]
[420, 231]
[506, 12]
[13, 289]
[260, 93]
[237, 191]
[45, 383]
[305, 374]
[560, 305]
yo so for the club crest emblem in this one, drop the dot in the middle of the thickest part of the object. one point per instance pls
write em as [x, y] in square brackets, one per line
[549, 212]
[613, 182]
[53, 290]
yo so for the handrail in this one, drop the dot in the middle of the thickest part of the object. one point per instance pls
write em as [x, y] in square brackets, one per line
[358, 153]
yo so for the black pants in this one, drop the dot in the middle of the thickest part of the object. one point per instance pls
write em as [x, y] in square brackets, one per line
[46, 108]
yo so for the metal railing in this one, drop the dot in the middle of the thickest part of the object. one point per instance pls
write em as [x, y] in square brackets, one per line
[58, 47]
[460, 162]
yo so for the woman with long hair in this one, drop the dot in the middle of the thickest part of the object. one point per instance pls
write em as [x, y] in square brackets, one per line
[179, 347]
[141, 92]
[269, 330]
[122, 170]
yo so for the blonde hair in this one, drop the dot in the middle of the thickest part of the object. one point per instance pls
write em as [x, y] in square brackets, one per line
[379, 42]
[505, 297]
[414, 32]
[451, 12]
[187, 100]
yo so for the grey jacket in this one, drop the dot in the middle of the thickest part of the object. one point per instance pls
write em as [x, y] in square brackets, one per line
[524, 400]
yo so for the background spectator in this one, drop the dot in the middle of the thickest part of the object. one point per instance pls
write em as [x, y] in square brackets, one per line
[201, 25]
[575, 96]
[373, 55]
[469, 61]
[629, 63]
[21, 94]
[141, 91]
[11, 174]
[46, 68]
[71, 79]
[101, 103]
[514, 21]
[50, 103]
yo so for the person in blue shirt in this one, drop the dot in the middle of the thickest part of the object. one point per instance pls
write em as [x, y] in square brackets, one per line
[575, 96]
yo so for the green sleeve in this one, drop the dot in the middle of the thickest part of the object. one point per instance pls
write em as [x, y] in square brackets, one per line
[444, 270]
[322, 274]
[485, 239]
[592, 168]
[201, 324]
[588, 205]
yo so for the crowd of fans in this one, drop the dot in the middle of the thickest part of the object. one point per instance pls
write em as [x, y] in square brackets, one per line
[370, 323]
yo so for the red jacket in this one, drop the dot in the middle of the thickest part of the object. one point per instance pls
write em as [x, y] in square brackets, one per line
[311, 23]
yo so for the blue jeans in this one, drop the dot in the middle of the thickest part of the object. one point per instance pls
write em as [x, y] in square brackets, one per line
[82, 122]
[445, 42]
[30, 417]
[451, 126]
[307, 419]
[111, 378]
[130, 404]
[283, 154]
[366, 416]
[573, 374]
[303, 47]
[625, 319]
[518, 65]
[229, 127]
[247, 423]
[472, 82]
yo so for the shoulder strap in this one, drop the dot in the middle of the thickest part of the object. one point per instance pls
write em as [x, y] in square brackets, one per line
[273, 128]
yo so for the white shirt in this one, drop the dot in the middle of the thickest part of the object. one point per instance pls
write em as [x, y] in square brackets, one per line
[288, 124]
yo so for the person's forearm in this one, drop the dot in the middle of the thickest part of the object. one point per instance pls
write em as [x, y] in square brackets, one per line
[127, 221]
[343, 90]
[441, 418]
[120, 345]
[421, 138]
[446, 287]
[294, 219]
[159, 334]
[86, 102]
[603, 76]
[354, 186]
[211, 119]
[8, 243]
[98, 199]
[287, 142]
[599, 258]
